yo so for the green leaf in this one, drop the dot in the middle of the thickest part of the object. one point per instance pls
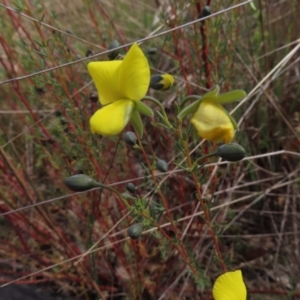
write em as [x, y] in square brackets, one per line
[190, 109]
[143, 109]
[160, 115]
[137, 122]
[164, 126]
[195, 136]
[230, 96]
[235, 125]
[166, 123]
[253, 6]
[212, 94]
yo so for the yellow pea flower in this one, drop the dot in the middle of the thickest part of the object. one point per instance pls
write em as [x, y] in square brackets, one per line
[120, 84]
[230, 286]
[210, 119]
[213, 122]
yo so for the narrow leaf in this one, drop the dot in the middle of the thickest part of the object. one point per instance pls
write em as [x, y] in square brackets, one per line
[235, 125]
[137, 122]
[253, 6]
[143, 109]
[190, 109]
[231, 96]
[195, 136]
[212, 94]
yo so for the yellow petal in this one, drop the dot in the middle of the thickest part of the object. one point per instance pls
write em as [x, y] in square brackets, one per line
[105, 75]
[213, 123]
[168, 81]
[161, 82]
[230, 286]
[134, 74]
[112, 118]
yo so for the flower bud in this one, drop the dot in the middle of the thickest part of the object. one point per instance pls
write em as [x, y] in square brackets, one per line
[94, 97]
[231, 152]
[161, 82]
[80, 183]
[131, 188]
[63, 121]
[206, 11]
[113, 54]
[135, 231]
[88, 53]
[130, 138]
[161, 165]
[58, 113]
[152, 51]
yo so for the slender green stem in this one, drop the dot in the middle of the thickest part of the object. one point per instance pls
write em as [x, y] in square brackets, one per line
[180, 247]
[195, 163]
[162, 109]
[203, 205]
[189, 98]
[101, 185]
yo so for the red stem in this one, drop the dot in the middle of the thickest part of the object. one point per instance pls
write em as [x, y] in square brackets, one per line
[205, 47]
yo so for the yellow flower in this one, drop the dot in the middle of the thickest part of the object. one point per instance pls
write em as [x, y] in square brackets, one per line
[161, 82]
[213, 122]
[120, 84]
[230, 286]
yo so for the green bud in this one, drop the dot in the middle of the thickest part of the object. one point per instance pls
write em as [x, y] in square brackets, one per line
[135, 231]
[63, 121]
[161, 82]
[131, 188]
[161, 165]
[58, 113]
[94, 97]
[81, 183]
[231, 152]
[152, 51]
[130, 138]
[206, 11]
[113, 54]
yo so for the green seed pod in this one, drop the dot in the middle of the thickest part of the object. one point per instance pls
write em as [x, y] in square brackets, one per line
[206, 11]
[80, 183]
[131, 188]
[152, 51]
[161, 165]
[231, 152]
[58, 113]
[63, 121]
[130, 138]
[135, 231]
[113, 54]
